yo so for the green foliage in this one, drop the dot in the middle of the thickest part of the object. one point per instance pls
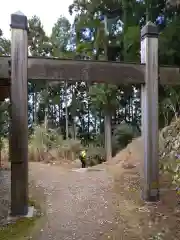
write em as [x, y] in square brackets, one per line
[95, 155]
[169, 43]
[101, 40]
[4, 117]
[169, 104]
[123, 135]
[173, 168]
[5, 47]
[104, 96]
[19, 230]
[169, 151]
[39, 44]
[132, 39]
[60, 36]
[84, 47]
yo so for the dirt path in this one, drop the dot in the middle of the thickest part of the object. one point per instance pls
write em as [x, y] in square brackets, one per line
[79, 204]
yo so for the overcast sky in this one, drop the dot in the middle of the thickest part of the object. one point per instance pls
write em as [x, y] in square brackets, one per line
[48, 11]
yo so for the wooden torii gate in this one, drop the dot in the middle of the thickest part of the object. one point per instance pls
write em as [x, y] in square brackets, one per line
[24, 68]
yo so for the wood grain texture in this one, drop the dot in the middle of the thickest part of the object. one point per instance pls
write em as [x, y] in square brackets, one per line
[90, 71]
[19, 124]
[150, 134]
[73, 70]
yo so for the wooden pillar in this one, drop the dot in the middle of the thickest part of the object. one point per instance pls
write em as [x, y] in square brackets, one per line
[66, 111]
[149, 108]
[19, 116]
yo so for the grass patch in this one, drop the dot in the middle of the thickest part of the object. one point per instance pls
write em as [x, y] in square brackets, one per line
[19, 230]
[22, 228]
[28, 228]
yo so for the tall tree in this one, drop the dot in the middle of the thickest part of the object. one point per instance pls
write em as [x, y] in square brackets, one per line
[5, 45]
[60, 36]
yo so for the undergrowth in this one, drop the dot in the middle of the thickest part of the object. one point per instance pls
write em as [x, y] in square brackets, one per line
[47, 145]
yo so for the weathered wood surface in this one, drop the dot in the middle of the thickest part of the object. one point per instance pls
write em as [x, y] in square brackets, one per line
[73, 70]
[169, 75]
[91, 71]
[18, 150]
[149, 113]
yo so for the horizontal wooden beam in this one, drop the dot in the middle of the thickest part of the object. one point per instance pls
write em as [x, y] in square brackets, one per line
[169, 75]
[53, 69]
[78, 70]
[88, 71]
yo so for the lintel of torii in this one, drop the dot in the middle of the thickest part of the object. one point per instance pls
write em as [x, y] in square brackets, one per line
[53, 69]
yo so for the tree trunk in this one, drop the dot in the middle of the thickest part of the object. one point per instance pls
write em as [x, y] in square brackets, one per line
[125, 15]
[101, 127]
[74, 129]
[35, 107]
[60, 105]
[73, 112]
[46, 109]
[108, 137]
[46, 119]
[95, 125]
[0, 153]
[88, 123]
[33, 96]
[66, 112]
[59, 113]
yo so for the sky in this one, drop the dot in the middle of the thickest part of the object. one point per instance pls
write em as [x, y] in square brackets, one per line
[47, 11]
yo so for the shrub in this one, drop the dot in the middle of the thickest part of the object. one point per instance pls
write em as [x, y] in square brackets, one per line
[169, 151]
[95, 155]
[48, 145]
[123, 135]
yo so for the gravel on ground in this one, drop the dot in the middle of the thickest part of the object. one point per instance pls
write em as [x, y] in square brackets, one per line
[5, 190]
[79, 204]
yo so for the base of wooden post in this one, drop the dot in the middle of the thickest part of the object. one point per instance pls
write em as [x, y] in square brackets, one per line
[31, 213]
[150, 196]
[19, 188]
